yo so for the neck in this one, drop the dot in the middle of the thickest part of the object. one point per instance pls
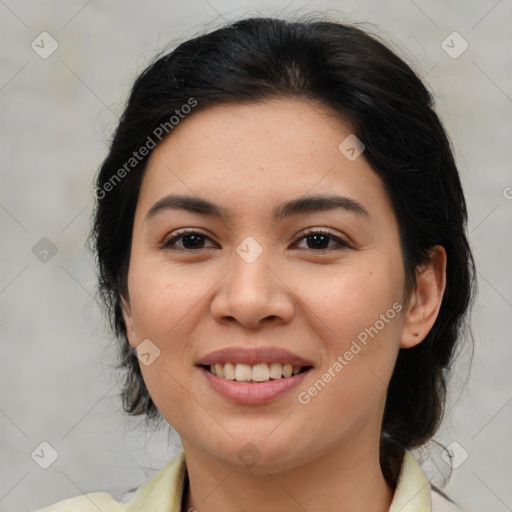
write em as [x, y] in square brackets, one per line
[345, 479]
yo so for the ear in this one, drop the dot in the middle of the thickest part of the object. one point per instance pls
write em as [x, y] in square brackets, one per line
[128, 321]
[425, 300]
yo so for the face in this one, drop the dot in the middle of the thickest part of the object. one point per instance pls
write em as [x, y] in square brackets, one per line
[322, 280]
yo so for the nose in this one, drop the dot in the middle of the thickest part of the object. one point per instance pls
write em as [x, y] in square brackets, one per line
[253, 294]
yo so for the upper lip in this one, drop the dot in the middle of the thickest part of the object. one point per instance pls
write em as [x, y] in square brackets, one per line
[252, 356]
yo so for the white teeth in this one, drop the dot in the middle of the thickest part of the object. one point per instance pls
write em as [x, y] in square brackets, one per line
[276, 370]
[219, 370]
[260, 372]
[229, 371]
[242, 372]
[287, 370]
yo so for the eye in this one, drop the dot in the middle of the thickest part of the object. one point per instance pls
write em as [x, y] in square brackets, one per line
[194, 240]
[319, 241]
[191, 240]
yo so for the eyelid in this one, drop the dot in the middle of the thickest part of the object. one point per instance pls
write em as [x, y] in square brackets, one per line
[165, 244]
[340, 241]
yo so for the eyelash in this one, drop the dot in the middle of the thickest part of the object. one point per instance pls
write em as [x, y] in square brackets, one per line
[170, 242]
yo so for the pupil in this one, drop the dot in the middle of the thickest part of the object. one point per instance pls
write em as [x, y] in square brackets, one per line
[317, 242]
[195, 241]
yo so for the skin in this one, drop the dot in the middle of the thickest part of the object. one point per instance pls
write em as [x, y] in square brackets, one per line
[189, 302]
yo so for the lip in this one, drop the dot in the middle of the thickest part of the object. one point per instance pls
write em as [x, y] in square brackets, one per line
[252, 356]
[253, 393]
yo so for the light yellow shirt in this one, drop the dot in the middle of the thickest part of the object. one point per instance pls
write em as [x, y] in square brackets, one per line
[164, 491]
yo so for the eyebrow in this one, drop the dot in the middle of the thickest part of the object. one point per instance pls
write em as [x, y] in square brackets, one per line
[302, 205]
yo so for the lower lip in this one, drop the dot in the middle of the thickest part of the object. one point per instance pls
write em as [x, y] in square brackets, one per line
[253, 393]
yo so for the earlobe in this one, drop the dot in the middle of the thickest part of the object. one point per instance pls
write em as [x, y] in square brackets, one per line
[128, 321]
[426, 299]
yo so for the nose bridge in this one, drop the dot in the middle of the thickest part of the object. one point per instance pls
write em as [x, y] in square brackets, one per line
[250, 250]
[251, 271]
[251, 292]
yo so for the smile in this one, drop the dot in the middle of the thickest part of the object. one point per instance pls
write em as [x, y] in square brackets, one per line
[261, 372]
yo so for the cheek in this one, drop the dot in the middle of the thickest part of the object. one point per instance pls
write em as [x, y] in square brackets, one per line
[349, 299]
[166, 308]
[161, 295]
[163, 301]
[357, 317]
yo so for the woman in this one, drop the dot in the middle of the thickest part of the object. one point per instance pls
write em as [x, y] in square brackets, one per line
[281, 239]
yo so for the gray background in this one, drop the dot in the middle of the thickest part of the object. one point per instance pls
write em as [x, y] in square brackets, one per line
[58, 384]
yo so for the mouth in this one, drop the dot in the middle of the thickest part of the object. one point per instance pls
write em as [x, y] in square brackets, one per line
[256, 384]
[254, 374]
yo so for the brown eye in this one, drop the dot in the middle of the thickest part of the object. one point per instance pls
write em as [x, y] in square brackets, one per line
[190, 240]
[318, 241]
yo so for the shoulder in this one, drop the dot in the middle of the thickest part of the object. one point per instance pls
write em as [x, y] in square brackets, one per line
[414, 492]
[162, 493]
[85, 503]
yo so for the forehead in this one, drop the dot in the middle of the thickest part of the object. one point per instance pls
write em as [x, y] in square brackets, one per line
[259, 153]
[282, 124]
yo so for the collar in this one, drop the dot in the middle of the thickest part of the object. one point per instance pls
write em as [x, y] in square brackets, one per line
[412, 493]
[164, 491]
